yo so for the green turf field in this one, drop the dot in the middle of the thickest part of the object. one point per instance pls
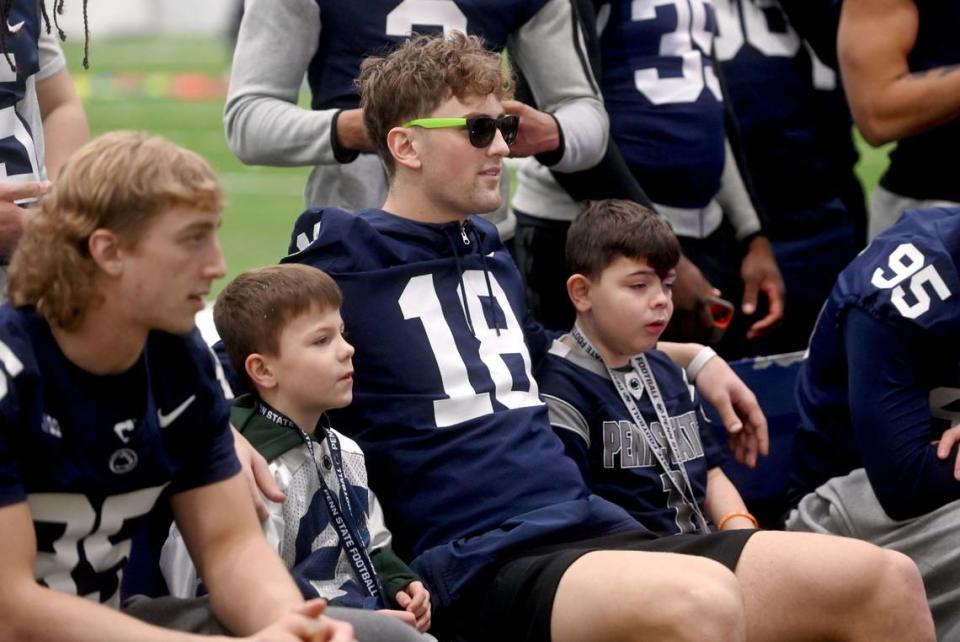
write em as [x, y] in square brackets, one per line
[129, 86]
[174, 88]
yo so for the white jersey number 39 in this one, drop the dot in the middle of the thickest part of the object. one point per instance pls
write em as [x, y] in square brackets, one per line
[686, 42]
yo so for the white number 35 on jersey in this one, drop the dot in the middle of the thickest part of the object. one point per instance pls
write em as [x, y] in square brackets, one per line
[906, 262]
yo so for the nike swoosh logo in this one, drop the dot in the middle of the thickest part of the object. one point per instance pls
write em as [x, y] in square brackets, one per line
[166, 420]
[14, 28]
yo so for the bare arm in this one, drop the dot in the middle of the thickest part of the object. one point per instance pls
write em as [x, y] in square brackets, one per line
[724, 499]
[736, 404]
[31, 611]
[887, 100]
[65, 126]
[249, 587]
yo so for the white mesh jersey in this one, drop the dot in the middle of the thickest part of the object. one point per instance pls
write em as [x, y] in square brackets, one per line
[300, 529]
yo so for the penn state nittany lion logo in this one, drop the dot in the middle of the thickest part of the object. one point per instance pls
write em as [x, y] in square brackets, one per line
[123, 461]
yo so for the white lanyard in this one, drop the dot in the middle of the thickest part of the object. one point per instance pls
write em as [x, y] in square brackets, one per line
[632, 385]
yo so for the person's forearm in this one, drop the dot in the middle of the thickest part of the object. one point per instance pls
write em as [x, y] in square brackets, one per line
[249, 587]
[680, 353]
[230, 576]
[723, 500]
[874, 42]
[64, 130]
[562, 83]
[264, 124]
[34, 612]
[890, 113]
[65, 126]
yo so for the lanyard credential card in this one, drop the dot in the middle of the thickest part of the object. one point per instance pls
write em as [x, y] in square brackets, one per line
[350, 541]
[630, 387]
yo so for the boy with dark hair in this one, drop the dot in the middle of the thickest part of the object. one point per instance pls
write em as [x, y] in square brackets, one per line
[282, 330]
[622, 408]
[109, 400]
[502, 527]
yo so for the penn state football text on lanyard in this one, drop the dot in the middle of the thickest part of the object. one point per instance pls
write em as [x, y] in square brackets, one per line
[349, 539]
[642, 378]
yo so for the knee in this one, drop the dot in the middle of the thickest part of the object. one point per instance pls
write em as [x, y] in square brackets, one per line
[896, 575]
[711, 608]
[901, 591]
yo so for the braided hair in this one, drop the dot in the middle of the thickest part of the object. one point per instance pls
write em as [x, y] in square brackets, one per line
[7, 5]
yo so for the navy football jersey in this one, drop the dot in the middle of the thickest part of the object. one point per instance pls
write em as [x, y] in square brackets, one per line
[611, 452]
[892, 321]
[924, 166]
[663, 97]
[458, 443]
[18, 151]
[769, 83]
[378, 25]
[91, 454]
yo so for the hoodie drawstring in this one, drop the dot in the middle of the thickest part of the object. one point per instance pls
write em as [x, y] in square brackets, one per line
[463, 288]
[486, 277]
[466, 231]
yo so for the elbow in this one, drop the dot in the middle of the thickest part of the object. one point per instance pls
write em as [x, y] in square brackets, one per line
[877, 124]
[904, 496]
[877, 132]
[585, 130]
[16, 603]
[243, 153]
[233, 125]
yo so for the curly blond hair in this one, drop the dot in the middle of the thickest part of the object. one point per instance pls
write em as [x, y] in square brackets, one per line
[419, 75]
[119, 182]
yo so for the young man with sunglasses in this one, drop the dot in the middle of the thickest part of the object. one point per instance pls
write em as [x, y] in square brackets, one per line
[282, 41]
[459, 444]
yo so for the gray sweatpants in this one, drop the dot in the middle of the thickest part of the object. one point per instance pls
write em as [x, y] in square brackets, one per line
[848, 506]
[886, 208]
[193, 615]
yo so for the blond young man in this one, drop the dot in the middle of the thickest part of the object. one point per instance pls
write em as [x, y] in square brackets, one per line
[109, 399]
[460, 450]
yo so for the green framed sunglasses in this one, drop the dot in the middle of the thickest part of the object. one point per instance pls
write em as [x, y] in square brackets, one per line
[480, 129]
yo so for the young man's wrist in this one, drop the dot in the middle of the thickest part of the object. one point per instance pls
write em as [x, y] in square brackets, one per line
[340, 153]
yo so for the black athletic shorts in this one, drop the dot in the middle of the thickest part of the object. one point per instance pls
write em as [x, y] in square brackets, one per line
[515, 600]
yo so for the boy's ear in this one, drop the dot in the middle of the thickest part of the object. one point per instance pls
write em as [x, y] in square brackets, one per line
[403, 145]
[578, 289]
[260, 371]
[105, 250]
